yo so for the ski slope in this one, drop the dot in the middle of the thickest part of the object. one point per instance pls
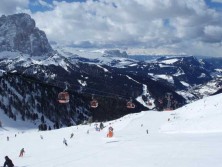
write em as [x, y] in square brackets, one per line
[188, 137]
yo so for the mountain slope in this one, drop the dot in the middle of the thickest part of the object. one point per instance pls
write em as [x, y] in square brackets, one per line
[131, 145]
[202, 116]
[33, 74]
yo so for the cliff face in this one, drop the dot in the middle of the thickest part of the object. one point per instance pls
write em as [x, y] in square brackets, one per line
[19, 33]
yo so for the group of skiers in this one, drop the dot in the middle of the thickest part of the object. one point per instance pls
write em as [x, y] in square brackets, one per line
[8, 162]
[101, 127]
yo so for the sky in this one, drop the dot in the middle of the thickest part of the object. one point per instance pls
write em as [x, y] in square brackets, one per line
[192, 27]
[187, 137]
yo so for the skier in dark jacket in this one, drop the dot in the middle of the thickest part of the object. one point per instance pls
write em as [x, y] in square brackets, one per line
[8, 162]
[101, 126]
[22, 152]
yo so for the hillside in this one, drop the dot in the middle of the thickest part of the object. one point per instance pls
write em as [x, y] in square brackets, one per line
[194, 140]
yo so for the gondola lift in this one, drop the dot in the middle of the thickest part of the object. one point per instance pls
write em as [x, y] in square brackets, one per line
[130, 104]
[94, 103]
[63, 97]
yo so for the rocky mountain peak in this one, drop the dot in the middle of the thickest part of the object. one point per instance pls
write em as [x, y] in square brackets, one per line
[115, 53]
[18, 32]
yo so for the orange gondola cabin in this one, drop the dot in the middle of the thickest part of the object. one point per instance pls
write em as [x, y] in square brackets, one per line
[63, 97]
[94, 104]
[130, 105]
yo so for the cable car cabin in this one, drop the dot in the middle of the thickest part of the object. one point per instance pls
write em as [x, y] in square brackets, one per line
[63, 97]
[94, 104]
[149, 103]
[130, 105]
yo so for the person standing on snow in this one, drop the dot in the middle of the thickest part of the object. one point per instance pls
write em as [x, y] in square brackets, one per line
[65, 142]
[110, 133]
[8, 162]
[41, 137]
[101, 126]
[22, 152]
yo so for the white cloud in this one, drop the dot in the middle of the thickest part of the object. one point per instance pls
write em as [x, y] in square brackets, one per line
[44, 3]
[170, 25]
[13, 6]
[213, 34]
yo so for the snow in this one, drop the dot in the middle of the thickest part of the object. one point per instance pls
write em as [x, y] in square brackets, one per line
[170, 61]
[132, 79]
[202, 75]
[165, 77]
[219, 70]
[185, 83]
[179, 72]
[191, 138]
[207, 89]
[150, 100]
[85, 53]
[92, 54]
[202, 116]
[164, 65]
[83, 83]
[104, 69]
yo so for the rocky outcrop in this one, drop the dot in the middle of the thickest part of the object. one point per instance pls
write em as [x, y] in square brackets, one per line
[18, 32]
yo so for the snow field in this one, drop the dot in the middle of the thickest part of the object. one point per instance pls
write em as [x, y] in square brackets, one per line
[191, 138]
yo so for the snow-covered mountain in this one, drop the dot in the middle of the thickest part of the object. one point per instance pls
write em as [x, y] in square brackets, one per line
[191, 77]
[189, 136]
[31, 79]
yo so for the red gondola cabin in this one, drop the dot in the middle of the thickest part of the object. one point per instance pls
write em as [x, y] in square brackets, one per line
[63, 97]
[130, 105]
[94, 104]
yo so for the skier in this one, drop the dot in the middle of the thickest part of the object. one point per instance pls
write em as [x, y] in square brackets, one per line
[110, 133]
[101, 126]
[97, 128]
[8, 162]
[22, 152]
[7, 138]
[72, 134]
[65, 142]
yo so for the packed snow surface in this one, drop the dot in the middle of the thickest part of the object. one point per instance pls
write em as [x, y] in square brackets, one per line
[188, 137]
